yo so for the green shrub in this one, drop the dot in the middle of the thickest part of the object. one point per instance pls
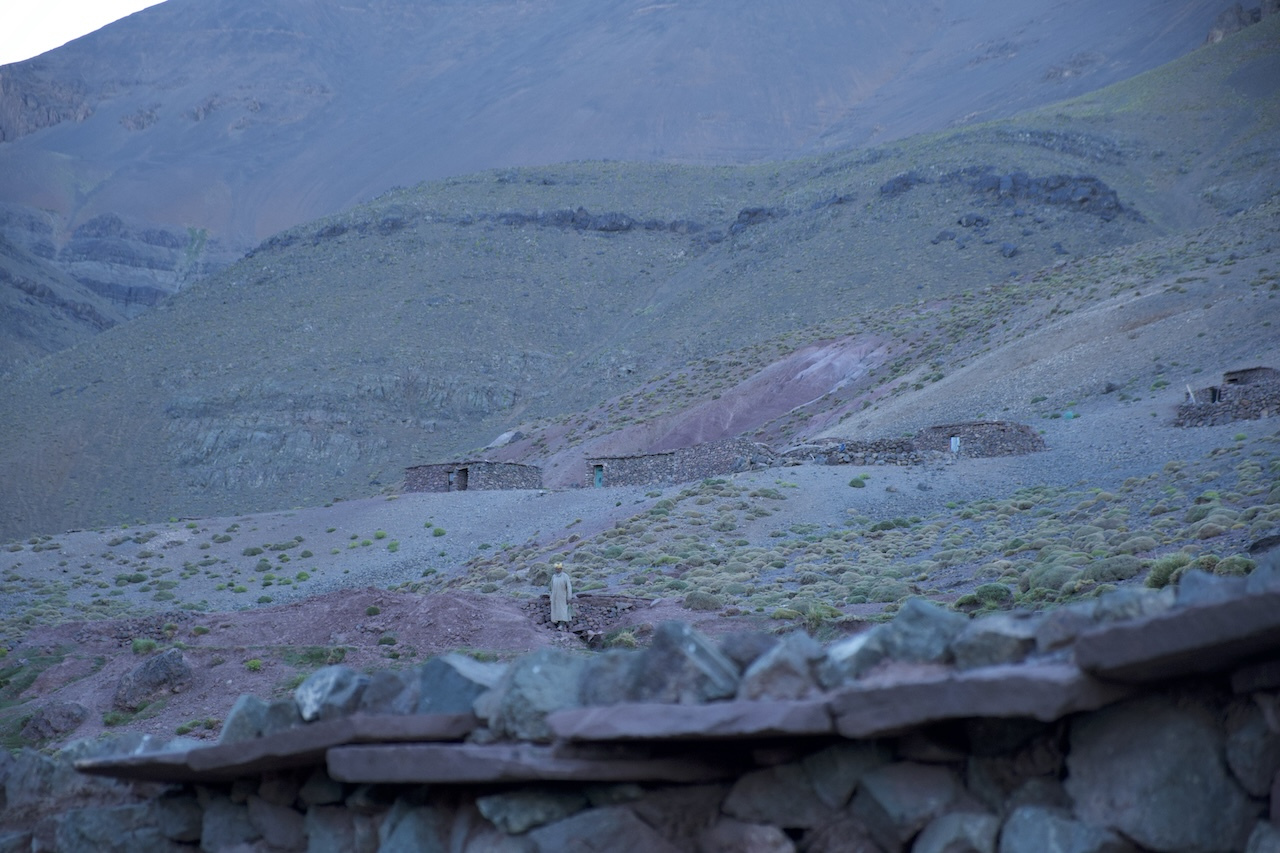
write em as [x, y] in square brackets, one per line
[251, 551]
[1121, 567]
[1236, 564]
[858, 483]
[1167, 570]
[143, 645]
[620, 638]
[253, 665]
[115, 718]
[380, 534]
[993, 593]
[372, 610]
[437, 531]
[699, 600]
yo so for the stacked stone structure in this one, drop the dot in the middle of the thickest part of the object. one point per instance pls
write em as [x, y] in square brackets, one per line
[1244, 395]
[979, 439]
[878, 451]
[1140, 720]
[972, 439]
[472, 474]
[683, 465]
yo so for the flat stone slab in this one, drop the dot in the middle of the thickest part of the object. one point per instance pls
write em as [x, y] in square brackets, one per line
[1184, 641]
[302, 746]
[519, 762]
[900, 699]
[641, 721]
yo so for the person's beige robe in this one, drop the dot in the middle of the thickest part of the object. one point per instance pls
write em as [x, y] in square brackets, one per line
[561, 592]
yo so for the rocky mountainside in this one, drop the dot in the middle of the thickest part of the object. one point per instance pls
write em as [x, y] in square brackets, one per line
[137, 159]
[426, 324]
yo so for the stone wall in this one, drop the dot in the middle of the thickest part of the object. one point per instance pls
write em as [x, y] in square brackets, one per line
[684, 465]
[1140, 720]
[880, 451]
[980, 438]
[475, 474]
[1258, 397]
[976, 439]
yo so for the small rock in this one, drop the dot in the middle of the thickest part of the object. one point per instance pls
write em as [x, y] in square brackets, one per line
[1034, 829]
[786, 671]
[518, 811]
[330, 692]
[966, 831]
[995, 639]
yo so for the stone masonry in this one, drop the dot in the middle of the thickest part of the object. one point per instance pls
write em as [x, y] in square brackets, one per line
[473, 474]
[1243, 395]
[1142, 720]
[683, 465]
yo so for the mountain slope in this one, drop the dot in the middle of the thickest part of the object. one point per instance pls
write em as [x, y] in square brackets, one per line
[192, 130]
[426, 323]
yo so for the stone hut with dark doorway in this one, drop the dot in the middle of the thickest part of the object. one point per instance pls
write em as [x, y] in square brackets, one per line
[682, 465]
[1244, 395]
[471, 474]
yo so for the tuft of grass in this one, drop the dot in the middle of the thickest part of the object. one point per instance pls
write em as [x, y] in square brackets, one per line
[143, 645]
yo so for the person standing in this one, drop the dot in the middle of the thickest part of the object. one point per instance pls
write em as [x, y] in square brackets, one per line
[561, 592]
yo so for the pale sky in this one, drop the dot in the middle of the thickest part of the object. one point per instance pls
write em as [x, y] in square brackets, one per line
[30, 27]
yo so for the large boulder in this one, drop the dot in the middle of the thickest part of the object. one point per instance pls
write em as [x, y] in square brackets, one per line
[54, 720]
[158, 676]
[1153, 770]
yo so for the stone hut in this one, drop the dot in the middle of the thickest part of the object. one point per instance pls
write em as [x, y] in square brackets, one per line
[471, 474]
[1244, 395]
[979, 438]
[1251, 376]
[683, 465]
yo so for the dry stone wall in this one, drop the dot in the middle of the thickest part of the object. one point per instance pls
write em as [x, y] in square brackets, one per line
[1222, 404]
[684, 465]
[974, 439]
[1138, 721]
[476, 474]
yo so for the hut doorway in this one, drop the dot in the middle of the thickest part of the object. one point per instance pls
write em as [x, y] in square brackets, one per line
[458, 480]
